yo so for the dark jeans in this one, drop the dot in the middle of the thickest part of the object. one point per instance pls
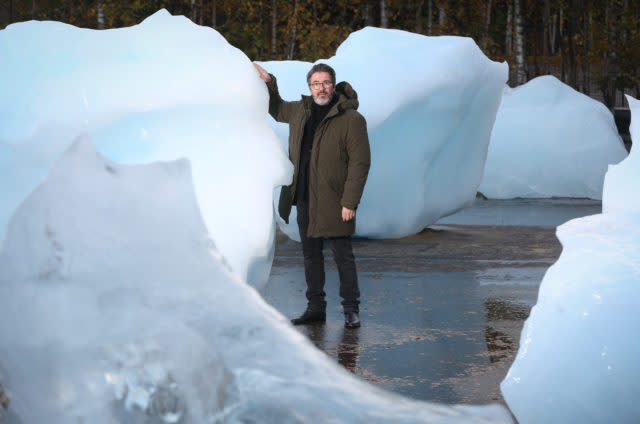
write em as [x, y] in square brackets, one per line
[314, 265]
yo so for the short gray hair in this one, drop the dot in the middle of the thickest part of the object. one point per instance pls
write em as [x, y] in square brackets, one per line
[321, 67]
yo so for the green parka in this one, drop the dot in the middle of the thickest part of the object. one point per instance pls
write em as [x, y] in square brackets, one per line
[340, 159]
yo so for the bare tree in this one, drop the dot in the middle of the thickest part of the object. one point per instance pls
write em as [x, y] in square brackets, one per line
[100, 14]
[367, 13]
[535, 35]
[609, 89]
[561, 46]
[553, 36]
[214, 13]
[572, 24]
[384, 14]
[623, 31]
[521, 75]
[508, 38]
[442, 14]
[293, 26]
[430, 17]
[586, 45]
[487, 23]
[546, 22]
[419, 7]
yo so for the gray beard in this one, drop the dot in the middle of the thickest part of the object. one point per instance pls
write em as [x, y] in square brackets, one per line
[323, 102]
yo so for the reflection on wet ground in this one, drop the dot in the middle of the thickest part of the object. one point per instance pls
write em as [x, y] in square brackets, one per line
[441, 311]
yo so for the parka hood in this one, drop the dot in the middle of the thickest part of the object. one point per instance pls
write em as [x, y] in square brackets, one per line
[350, 101]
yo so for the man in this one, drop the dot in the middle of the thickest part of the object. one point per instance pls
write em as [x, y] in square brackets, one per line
[329, 147]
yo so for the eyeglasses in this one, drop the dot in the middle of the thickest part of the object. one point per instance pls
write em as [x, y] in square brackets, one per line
[317, 85]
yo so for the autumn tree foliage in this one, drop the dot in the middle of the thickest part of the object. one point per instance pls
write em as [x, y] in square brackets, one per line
[592, 45]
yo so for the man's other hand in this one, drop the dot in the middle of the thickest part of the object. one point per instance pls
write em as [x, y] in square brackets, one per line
[264, 75]
[348, 214]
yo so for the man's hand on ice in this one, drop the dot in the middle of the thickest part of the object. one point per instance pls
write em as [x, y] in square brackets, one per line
[264, 75]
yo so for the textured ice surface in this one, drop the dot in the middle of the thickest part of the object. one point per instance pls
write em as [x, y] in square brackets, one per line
[110, 314]
[430, 104]
[578, 357]
[550, 141]
[98, 306]
[161, 90]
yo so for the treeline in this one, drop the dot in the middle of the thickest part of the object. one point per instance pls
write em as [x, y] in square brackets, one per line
[592, 45]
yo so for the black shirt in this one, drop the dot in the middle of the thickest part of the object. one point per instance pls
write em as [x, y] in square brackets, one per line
[318, 113]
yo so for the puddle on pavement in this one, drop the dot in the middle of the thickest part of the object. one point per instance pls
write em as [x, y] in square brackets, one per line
[439, 336]
[442, 310]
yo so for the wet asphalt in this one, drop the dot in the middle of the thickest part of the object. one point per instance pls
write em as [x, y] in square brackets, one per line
[442, 310]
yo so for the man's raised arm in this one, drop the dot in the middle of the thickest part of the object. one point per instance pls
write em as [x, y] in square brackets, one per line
[278, 108]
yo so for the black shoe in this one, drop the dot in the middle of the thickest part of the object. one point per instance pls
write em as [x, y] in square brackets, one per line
[351, 320]
[309, 316]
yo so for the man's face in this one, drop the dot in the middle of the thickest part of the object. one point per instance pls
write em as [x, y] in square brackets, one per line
[321, 87]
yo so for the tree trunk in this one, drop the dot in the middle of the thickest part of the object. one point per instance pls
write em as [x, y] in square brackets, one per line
[554, 34]
[586, 45]
[561, 47]
[384, 14]
[521, 75]
[214, 13]
[487, 23]
[100, 14]
[546, 22]
[367, 13]
[69, 9]
[293, 25]
[430, 18]
[623, 32]
[442, 15]
[419, 16]
[508, 39]
[572, 12]
[34, 8]
[193, 11]
[535, 34]
[201, 13]
[609, 90]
